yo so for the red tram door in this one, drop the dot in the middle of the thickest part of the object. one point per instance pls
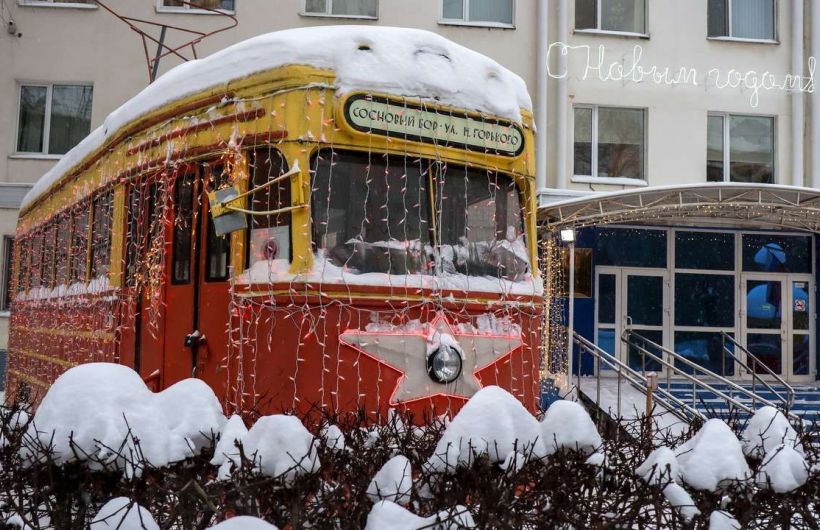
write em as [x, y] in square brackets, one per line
[181, 316]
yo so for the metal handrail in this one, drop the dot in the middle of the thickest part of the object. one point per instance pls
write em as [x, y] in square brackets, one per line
[787, 402]
[671, 367]
[673, 404]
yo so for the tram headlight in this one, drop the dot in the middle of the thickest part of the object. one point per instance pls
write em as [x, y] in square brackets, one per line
[444, 365]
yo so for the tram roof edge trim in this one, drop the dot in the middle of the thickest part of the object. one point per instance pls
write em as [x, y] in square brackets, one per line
[398, 61]
[765, 204]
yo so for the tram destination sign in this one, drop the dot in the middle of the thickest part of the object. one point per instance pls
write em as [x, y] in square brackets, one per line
[398, 119]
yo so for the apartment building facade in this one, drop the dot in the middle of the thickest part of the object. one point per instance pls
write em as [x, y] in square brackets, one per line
[628, 95]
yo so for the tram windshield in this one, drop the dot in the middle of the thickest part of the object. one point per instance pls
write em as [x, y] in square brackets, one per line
[373, 213]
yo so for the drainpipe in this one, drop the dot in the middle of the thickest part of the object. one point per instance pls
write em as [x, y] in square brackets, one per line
[798, 116]
[561, 108]
[815, 99]
[541, 95]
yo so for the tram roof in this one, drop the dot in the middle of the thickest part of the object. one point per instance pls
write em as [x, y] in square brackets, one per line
[399, 61]
[712, 204]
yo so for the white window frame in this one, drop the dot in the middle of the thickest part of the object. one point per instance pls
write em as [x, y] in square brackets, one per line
[597, 29]
[329, 12]
[594, 178]
[58, 5]
[726, 145]
[44, 154]
[730, 37]
[188, 10]
[465, 21]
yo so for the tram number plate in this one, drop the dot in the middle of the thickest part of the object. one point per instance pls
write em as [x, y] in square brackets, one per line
[376, 115]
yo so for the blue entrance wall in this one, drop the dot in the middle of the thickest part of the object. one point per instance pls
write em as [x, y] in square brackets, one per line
[584, 314]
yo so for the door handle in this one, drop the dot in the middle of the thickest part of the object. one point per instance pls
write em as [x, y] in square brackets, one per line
[192, 340]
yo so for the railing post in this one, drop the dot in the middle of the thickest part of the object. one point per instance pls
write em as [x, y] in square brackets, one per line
[651, 386]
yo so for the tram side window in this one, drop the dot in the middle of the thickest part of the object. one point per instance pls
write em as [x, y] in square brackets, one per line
[183, 222]
[61, 250]
[269, 234]
[35, 272]
[23, 256]
[79, 244]
[49, 233]
[218, 248]
[370, 213]
[101, 235]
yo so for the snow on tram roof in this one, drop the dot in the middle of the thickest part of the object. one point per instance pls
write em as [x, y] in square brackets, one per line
[401, 61]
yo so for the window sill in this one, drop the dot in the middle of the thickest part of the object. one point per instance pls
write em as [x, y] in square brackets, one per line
[738, 39]
[34, 156]
[612, 181]
[490, 25]
[609, 33]
[191, 11]
[35, 3]
[5, 314]
[326, 15]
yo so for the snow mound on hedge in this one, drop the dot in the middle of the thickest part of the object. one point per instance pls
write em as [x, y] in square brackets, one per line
[660, 467]
[784, 469]
[226, 452]
[333, 437]
[392, 482]
[567, 425]
[88, 411]
[719, 520]
[767, 430]
[491, 423]
[244, 522]
[280, 446]
[123, 514]
[388, 515]
[712, 456]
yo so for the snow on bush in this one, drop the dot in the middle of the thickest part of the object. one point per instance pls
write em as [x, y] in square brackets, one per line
[280, 446]
[388, 515]
[783, 468]
[714, 455]
[333, 437]
[719, 520]
[244, 522]
[123, 514]
[767, 430]
[392, 482]
[567, 425]
[491, 423]
[226, 453]
[660, 467]
[98, 411]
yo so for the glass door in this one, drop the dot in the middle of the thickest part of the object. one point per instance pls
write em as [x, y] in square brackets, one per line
[765, 325]
[633, 298]
[800, 324]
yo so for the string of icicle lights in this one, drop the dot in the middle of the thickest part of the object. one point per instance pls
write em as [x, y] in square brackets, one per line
[395, 194]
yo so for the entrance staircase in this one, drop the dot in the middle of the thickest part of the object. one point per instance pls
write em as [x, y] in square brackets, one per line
[687, 390]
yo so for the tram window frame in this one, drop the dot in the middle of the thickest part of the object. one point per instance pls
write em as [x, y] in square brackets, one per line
[62, 249]
[264, 197]
[178, 231]
[79, 267]
[216, 176]
[101, 226]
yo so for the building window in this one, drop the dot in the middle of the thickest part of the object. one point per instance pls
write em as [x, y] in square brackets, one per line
[61, 3]
[8, 263]
[478, 11]
[609, 142]
[740, 148]
[53, 118]
[742, 19]
[343, 8]
[182, 5]
[622, 16]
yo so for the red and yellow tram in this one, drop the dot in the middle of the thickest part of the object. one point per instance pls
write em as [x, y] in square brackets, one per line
[302, 220]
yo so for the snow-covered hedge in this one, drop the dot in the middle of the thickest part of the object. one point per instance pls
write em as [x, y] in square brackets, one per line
[105, 452]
